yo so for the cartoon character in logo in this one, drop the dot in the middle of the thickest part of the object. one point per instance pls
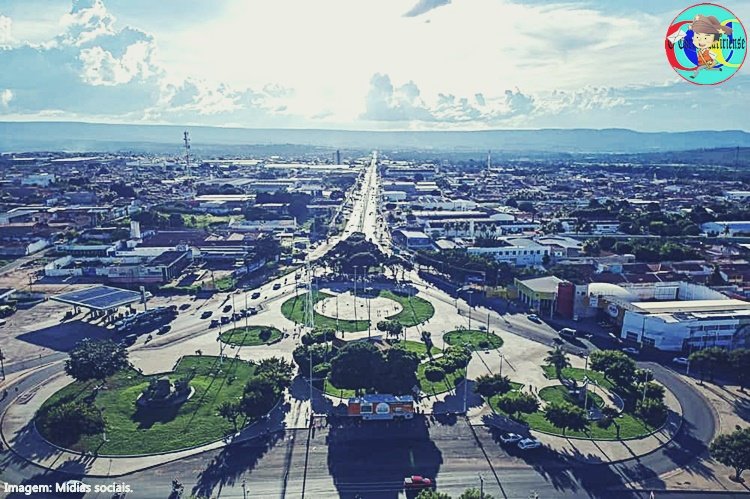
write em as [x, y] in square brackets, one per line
[706, 32]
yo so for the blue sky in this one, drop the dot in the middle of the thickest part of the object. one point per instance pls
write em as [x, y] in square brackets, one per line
[390, 64]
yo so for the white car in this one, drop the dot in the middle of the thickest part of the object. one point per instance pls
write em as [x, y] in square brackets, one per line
[529, 443]
[631, 351]
[510, 438]
[680, 361]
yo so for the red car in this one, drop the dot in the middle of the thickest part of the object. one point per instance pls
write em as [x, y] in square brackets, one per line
[417, 482]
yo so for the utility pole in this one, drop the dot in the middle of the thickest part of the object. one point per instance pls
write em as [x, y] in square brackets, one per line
[186, 140]
[645, 384]
[244, 488]
[481, 486]
[2, 366]
[586, 386]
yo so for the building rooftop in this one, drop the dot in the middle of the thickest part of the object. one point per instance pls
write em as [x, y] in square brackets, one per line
[670, 307]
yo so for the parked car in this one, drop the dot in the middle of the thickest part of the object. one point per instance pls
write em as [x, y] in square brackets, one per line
[631, 351]
[184, 306]
[214, 323]
[226, 308]
[206, 314]
[129, 339]
[417, 482]
[276, 286]
[534, 318]
[255, 295]
[164, 329]
[225, 319]
[510, 438]
[681, 361]
[568, 332]
[529, 443]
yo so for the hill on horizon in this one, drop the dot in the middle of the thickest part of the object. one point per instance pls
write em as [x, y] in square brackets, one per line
[78, 136]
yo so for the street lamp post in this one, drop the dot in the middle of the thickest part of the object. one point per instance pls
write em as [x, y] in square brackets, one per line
[2, 366]
[466, 380]
[481, 486]
[586, 393]
[645, 384]
[244, 488]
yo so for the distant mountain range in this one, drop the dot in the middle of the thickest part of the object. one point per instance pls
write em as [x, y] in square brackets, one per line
[71, 136]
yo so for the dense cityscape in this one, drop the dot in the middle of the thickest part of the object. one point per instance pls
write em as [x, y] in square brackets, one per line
[265, 325]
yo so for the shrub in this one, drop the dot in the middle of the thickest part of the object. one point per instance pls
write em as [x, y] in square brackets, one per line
[265, 334]
[434, 373]
[322, 370]
[65, 423]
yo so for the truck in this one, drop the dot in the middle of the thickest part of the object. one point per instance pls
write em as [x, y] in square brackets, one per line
[381, 406]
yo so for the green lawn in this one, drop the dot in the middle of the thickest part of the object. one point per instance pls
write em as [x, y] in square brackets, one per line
[578, 375]
[294, 310]
[343, 393]
[135, 430]
[203, 220]
[479, 340]
[560, 394]
[417, 347]
[226, 283]
[630, 426]
[445, 384]
[415, 311]
[249, 337]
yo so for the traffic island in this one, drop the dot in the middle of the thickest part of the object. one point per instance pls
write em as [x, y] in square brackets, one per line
[131, 428]
[251, 336]
[476, 339]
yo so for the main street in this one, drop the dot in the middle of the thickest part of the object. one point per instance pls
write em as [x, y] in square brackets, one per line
[370, 460]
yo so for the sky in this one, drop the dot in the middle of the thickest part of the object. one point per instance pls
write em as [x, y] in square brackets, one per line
[357, 64]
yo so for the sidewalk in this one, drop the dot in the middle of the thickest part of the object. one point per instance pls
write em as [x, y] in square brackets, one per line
[20, 435]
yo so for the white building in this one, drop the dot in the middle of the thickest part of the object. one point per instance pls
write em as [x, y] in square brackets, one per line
[688, 325]
[520, 252]
[39, 180]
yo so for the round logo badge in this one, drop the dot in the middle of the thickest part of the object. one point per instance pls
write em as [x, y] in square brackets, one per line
[706, 44]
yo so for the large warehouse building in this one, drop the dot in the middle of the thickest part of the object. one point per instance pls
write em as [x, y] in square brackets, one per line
[688, 325]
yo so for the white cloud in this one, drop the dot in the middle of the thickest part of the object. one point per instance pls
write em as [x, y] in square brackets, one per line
[6, 26]
[5, 97]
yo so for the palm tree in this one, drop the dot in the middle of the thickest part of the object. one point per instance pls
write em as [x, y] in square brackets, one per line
[558, 359]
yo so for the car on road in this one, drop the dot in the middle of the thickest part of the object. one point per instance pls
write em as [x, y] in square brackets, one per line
[214, 323]
[164, 329]
[276, 286]
[206, 314]
[184, 306]
[529, 443]
[129, 339]
[417, 482]
[631, 351]
[226, 308]
[568, 332]
[534, 318]
[681, 361]
[510, 438]
[225, 319]
[255, 295]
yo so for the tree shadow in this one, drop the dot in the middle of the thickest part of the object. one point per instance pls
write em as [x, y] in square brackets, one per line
[371, 458]
[146, 417]
[232, 462]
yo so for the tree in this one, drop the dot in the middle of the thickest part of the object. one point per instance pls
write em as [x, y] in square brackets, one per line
[708, 359]
[740, 362]
[474, 493]
[96, 359]
[566, 416]
[488, 385]
[65, 423]
[558, 359]
[356, 365]
[434, 373]
[259, 396]
[652, 411]
[230, 410]
[654, 391]
[277, 370]
[615, 365]
[733, 450]
[432, 494]
[302, 355]
[515, 403]
[399, 374]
